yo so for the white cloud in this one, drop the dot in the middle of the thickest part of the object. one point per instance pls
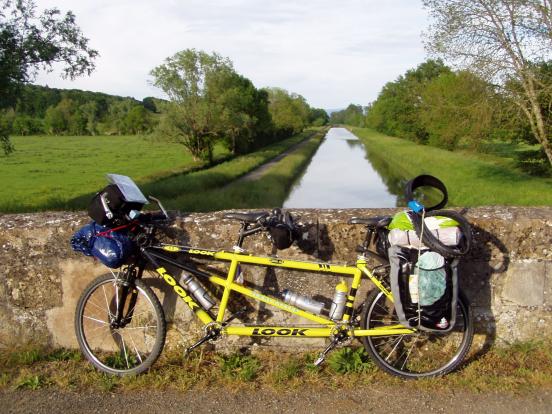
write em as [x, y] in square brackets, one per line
[331, 52]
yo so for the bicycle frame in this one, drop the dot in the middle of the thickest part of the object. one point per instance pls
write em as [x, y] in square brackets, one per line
[161, 253]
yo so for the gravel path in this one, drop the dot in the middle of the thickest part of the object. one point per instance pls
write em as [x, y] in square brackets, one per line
[259, 171]
[319, 401]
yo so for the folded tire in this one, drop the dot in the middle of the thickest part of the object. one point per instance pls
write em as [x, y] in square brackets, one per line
[433, 243]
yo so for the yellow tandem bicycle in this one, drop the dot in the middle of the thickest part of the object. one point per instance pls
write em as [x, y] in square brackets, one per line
[121, 327]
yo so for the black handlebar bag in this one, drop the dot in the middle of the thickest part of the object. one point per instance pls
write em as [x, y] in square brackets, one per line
[110, 206]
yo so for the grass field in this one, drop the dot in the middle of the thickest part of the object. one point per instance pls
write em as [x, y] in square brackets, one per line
[62, 173]
[47, 172]
[472, 179]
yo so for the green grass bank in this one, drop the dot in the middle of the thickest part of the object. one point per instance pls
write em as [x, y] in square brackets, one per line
[62, 173]
[270, 190]
[472, 179]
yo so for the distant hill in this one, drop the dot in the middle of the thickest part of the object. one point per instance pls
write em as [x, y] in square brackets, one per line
[331, 111]
[44, 110]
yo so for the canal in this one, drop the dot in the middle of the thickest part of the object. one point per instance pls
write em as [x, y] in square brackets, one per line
[340, 176]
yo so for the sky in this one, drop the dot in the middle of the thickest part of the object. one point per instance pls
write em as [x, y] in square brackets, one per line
[331, 52]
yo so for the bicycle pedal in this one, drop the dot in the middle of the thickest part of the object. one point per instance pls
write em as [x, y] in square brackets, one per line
[198, 343]
[319, 361]
[323, 354]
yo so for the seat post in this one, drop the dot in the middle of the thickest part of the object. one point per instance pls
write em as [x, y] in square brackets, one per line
[241, 237]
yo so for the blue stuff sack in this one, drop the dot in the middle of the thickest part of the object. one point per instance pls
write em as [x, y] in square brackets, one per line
[112, 248]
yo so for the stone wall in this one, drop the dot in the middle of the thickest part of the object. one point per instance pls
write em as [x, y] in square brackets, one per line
[507, 276]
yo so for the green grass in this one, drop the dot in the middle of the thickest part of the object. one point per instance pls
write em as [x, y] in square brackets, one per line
[522, 367]
[472, 179]
[62, 173]
[50, 172]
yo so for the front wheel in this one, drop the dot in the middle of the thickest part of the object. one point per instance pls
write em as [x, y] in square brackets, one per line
[129, 344]
[420, 354]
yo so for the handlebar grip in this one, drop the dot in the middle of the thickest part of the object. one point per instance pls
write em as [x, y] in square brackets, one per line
[151, 217]
[107, 210]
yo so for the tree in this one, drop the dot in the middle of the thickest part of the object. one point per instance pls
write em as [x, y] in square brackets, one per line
[318, 117]
[194, 81]
[90, 113]
[396, 111]
[289, 112]
[352, 115]
[457, 106]
[30, 42]
[54, 121]
[138, 120]
[240, 102]
[149, 103]
[504, 41]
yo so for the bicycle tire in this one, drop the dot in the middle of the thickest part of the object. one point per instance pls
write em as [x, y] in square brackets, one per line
[431, 354]
[133, 348]
[433, 242]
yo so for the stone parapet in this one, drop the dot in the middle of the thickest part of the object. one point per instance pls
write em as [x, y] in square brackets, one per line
[507, 275]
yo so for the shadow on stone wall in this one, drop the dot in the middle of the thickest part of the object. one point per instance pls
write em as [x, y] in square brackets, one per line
[488, 256]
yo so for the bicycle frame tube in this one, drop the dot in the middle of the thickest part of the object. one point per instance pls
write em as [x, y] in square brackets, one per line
[229, 285]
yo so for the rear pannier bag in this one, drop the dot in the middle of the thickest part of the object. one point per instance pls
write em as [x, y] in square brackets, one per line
[425, 292]
[112, 248]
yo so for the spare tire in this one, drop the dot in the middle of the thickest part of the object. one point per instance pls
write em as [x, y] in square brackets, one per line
[433, 242]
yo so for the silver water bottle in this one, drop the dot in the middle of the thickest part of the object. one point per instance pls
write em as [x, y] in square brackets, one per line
[198, 291]
[338, 302]
[302, 302]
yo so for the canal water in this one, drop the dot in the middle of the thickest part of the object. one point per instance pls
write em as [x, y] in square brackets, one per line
[340, 176]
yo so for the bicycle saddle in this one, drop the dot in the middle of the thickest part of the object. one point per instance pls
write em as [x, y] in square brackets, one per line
[252, 217]
[372, 222]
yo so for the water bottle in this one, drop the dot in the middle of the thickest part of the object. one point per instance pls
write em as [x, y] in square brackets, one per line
[338, 302]
[302, 302]
[196, 290]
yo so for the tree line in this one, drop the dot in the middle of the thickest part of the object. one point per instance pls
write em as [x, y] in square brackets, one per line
[209, 102]
[500, 90]
[41, 110]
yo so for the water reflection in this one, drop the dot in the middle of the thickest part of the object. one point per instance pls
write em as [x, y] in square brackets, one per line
[339, 176]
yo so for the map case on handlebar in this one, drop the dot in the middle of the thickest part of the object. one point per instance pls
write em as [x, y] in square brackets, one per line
[130, 191]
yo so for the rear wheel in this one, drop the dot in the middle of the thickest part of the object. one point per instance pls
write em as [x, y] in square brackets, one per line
[131, 344]
[420, 354]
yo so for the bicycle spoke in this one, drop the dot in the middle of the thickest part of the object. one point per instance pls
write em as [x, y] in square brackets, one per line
[95, 320]
[419, 354]
[395, 347]
[136, 349]
[107, 303]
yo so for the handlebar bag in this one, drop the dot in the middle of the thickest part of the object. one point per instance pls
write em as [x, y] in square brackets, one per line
[116, 202]
[425, 292]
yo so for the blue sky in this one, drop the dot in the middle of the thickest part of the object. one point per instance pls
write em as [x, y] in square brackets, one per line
[331, 52]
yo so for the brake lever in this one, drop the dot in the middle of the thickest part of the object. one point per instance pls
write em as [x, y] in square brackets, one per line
[160, 206]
